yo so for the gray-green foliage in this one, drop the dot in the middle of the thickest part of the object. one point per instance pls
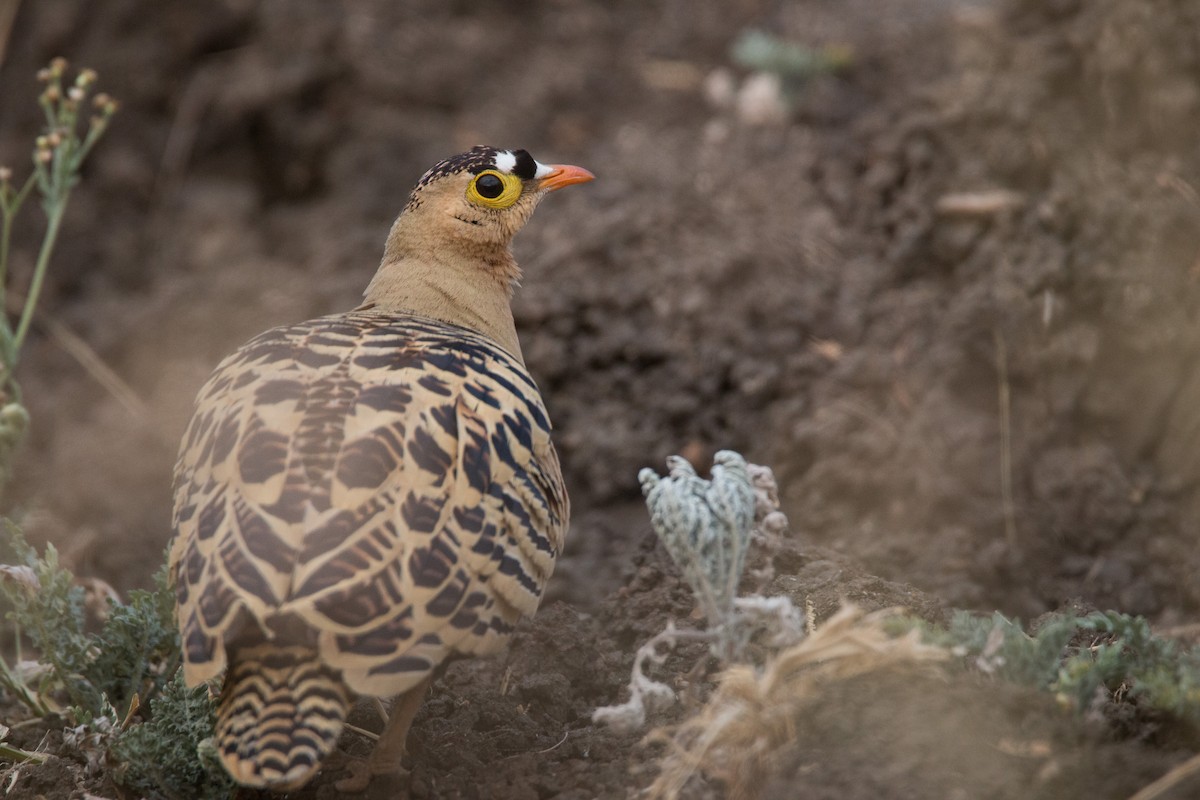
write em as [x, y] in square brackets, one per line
[1000, 646]
[137, 650]
[171, 755]
[1103, 655]
[47, 607]
[130, 655]
[1157, 672]
[121, 685]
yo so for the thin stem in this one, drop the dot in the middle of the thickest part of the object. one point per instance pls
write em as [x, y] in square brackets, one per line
[1176, 776]
[16, 686]
[39, 275]
[18, 755]
[8, 15]
[11, 208]
[93, 135]
[63, 164]
[48, 110]
[5, 243]
[1005, 402]
[19, 690]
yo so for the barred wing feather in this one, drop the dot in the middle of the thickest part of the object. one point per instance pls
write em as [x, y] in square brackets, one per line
[382, 488]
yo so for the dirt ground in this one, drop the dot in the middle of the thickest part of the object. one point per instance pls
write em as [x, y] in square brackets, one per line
[950, 297]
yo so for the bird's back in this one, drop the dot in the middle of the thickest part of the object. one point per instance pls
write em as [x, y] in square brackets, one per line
[356, 499]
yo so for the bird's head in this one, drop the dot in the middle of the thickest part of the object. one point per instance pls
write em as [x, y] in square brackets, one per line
[449, 254]
[478, 200]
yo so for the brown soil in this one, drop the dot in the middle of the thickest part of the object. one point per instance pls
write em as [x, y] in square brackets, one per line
[804, 292]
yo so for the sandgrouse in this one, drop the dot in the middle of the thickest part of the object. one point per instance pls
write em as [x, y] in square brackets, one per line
[362, 496]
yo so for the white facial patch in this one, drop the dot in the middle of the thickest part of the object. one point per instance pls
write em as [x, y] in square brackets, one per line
[542, 170]
[506, 162]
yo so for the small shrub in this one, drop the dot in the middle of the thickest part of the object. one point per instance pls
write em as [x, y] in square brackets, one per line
[119, 689]
[1082, 659]
[171, 755]
[129, 657]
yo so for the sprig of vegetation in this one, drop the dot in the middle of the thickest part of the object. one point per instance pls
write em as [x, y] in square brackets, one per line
[58, 157]
[707, 526]
[119, 687]
[1083, 660]
[172, 754]
[46, 606]
[125, 662]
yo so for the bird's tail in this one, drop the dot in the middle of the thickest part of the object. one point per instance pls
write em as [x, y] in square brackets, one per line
[281, 713]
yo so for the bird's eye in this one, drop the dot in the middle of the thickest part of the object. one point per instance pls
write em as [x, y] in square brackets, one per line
[489, 185]
[493, 189]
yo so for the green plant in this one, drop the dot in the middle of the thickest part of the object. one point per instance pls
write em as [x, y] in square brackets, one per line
[999, 646]
[80, 673]
[45, 605]
[1103, 656]
[119, 688]
[172, 754]
[1123, 658]
[116, 685]
[58, 157]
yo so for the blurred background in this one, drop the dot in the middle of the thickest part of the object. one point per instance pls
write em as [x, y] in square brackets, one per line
[934, 261]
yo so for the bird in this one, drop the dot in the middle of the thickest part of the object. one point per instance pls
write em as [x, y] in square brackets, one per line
[362, 497]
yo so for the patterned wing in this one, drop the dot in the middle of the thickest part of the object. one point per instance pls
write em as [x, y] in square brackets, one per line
[384, 485]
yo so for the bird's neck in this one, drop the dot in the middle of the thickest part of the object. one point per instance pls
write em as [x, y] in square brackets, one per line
[467, 284]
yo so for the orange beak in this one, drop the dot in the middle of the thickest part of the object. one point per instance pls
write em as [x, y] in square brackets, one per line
[564, 175]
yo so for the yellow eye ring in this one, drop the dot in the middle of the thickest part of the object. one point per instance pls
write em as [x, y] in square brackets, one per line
[493, 189]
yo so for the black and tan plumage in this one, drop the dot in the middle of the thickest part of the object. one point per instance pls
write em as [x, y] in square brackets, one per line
[362, 496]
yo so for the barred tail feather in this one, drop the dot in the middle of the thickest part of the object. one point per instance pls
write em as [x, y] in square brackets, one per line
[281, 713]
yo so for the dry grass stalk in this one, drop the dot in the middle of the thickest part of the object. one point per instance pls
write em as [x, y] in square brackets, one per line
[1166, 783]
[1006, 469]
[8, 15]
[91, 361]
[753, 712]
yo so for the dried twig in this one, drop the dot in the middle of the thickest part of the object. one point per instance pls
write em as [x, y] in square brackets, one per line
[1005, 400]
[91, 361]
[1176, 776]
[8, 15]
[95, 366]
[374, 737]
[978, 204]
[12, 753]
[565, 735]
